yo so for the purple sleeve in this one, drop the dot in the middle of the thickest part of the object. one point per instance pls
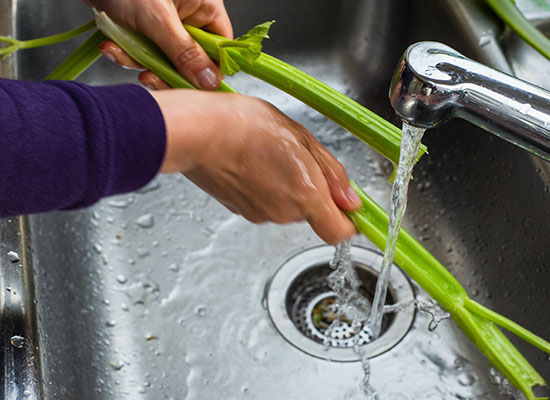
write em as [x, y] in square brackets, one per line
[65, 145]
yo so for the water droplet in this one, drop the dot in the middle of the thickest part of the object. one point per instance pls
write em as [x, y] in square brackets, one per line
[13, 256]
[200, 311]
[110, 323]
[142, 252]
[121, 279]
[98, 248]
[484, 40]
[525, 108]
[149, 188]
[430, 70]
[145, 221]
[174, 267]
[466, 379]
[119, 203]
[117, 366]
[17, 341]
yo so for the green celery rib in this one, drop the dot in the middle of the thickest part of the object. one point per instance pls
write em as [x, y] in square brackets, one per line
[500, 352]
[378, 133]
[507, 324]
[79, 60]
[146, 53]
[509, 13]
[15, 45]
[372, 221]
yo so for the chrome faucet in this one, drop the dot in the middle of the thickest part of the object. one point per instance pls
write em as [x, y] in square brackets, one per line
[434, 83]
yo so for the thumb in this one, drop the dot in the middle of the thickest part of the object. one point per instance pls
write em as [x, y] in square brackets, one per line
[186, 54]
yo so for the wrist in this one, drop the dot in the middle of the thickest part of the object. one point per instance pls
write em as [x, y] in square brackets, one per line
[187, 127]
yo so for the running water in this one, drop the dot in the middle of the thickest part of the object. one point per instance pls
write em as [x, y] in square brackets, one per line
[351, 305]
[344, 281]
[410, 144]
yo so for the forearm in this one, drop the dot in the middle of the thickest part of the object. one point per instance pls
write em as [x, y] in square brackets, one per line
[66, 145]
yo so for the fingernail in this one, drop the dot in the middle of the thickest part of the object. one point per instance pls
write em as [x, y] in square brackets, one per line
[353, 197]
[208, 79]
[109, 56]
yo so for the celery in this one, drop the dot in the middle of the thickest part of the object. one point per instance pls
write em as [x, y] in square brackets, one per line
[378, 133]
[84, 56]
[479, 323]
[146, 53]
[509, 13]
[15, 45]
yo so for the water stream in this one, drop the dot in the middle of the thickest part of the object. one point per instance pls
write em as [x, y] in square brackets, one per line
[344, 281]
[351, 305]
[410, 144]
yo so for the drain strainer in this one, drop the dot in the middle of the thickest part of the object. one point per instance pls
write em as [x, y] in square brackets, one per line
[302, 306]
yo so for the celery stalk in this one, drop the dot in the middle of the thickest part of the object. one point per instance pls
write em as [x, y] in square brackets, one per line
[15, 45]
[509, 13]
[378, 133]
[146, 53]
[84, 56]
[479, 323]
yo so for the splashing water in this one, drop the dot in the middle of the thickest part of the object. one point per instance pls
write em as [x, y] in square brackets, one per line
[352, 305]
[410, 144]
[505, 388]
[345, 283]
[437, 313]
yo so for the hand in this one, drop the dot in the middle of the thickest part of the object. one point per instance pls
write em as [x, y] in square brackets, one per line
[161, 21]
[256, 161]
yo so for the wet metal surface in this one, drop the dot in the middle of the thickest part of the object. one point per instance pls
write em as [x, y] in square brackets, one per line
[158, 294]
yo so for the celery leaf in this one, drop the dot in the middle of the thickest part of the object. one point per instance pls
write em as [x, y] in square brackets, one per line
[249, 46]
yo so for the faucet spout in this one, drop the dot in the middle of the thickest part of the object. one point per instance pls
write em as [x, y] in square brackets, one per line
[434, 83]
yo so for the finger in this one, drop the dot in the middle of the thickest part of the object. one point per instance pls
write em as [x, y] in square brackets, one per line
[186, 55]
[114, 53]
[335, 173]
[330, 223]
[212, 16]
[337, 178]
[152, 81]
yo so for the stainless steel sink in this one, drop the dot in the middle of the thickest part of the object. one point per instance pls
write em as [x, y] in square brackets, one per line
[159, 294]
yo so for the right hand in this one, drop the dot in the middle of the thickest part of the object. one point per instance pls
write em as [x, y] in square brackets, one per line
[161, 21]
[256, 161]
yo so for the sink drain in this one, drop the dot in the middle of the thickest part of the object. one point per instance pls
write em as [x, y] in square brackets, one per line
[302, 306]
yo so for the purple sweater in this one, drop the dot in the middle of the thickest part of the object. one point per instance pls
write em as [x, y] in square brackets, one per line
[65, 145]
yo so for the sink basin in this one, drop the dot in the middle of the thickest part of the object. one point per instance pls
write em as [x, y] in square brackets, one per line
[159, 294]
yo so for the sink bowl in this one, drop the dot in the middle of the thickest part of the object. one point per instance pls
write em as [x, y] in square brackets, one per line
[159, 294]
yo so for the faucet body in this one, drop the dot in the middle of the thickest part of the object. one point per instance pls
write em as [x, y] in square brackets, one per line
[434, 83]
